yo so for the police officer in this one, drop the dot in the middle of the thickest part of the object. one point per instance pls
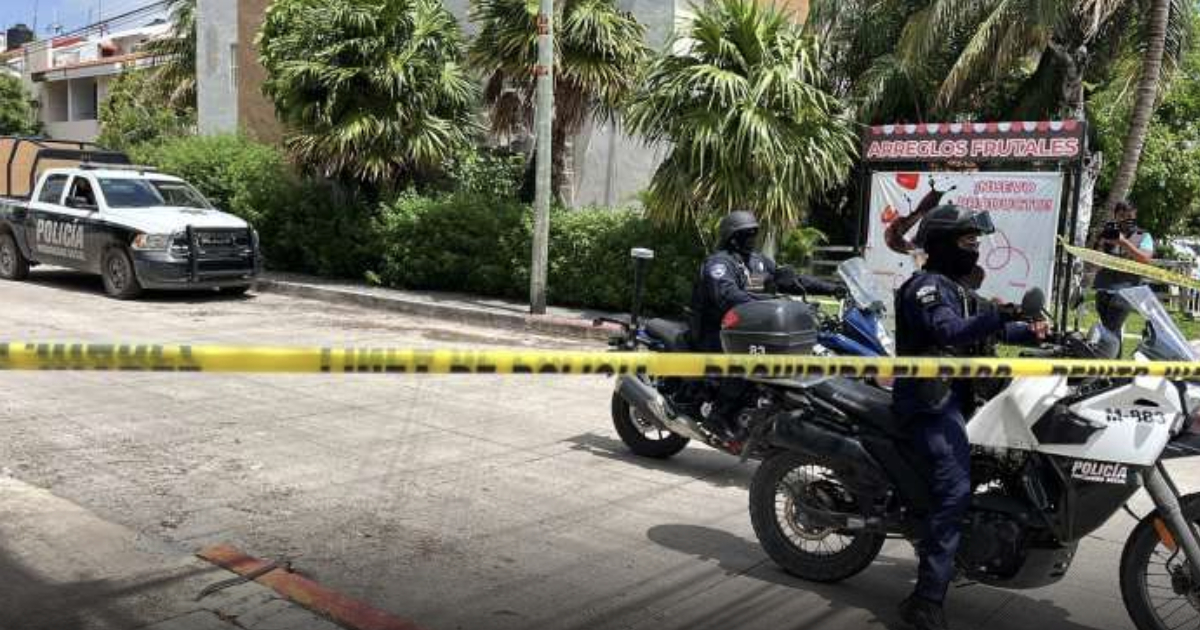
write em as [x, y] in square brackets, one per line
[732, 275]
[736, 274]
[938, 315]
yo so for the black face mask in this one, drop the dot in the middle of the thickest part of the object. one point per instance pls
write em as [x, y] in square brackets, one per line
[743, 242]
[951, 260]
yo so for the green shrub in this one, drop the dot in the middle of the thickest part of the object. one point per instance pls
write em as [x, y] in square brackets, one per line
[136, 114]
[482, 171]
[304, 225]
[237, 175]
[475, 244]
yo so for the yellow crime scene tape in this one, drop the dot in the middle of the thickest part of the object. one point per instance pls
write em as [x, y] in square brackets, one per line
[1116, 263]
[367, 360]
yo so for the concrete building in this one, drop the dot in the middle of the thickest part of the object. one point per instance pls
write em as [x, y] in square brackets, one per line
[610, 168]
[69, 76]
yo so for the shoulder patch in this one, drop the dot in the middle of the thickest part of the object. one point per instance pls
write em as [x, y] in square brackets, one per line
[928, 295]
[717, 271]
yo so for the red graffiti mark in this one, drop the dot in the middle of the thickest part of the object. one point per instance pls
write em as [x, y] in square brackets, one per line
[1001, 256]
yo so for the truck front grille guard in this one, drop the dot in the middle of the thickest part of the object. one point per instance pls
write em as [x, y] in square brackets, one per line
[193, 255]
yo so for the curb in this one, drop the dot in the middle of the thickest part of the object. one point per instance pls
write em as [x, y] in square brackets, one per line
[547, 324]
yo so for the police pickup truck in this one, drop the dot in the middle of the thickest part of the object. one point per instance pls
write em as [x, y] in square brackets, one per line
[75, 205]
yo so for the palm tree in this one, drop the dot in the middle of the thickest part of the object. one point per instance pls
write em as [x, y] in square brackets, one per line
[599, 50]
[373, 91]
[942, 58]
[175, 56]
[741, 108]
[1143, 107]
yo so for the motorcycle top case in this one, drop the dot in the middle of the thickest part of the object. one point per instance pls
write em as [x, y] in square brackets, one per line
[770, 327]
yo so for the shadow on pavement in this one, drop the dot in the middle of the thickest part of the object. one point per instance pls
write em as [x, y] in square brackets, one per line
[78, 282]
[28, 601]
[696, 461]
[877, 590]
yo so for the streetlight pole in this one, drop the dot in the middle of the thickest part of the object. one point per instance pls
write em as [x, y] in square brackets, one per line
[543, 128]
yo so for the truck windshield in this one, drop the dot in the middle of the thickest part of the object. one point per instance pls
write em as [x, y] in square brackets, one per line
[180, 194]
[130, 193]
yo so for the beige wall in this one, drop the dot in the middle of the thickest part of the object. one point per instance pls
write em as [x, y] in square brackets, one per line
[256, 114]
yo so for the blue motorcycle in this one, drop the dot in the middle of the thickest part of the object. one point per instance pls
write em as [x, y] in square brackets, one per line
[657, 417]
[858, 330]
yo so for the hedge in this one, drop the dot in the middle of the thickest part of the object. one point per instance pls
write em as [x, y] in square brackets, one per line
[476, 240]
[475, 244]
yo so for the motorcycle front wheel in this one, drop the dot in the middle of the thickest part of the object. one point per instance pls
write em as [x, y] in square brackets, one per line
[1156, 582]
[641, 435]
[784, 482]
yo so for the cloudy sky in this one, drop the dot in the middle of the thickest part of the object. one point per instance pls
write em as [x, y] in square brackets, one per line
[71, 14]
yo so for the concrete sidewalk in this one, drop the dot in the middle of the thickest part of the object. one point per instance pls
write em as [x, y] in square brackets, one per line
[458, 308]
[65, 568]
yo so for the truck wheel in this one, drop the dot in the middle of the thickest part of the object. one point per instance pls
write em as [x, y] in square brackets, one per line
[13, 265]
[120, 280]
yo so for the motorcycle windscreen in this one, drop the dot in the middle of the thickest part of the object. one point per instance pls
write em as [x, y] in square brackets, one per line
[1167, 343]
[865, 293]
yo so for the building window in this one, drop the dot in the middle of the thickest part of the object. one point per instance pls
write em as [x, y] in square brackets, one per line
[233, 68]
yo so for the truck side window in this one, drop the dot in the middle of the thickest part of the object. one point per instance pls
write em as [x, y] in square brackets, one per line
[82, 188]
[52, 189]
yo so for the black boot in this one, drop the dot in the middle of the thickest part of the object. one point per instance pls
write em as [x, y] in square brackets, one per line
[923, 614]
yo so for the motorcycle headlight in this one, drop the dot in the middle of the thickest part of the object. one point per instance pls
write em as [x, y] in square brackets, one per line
[151, 241]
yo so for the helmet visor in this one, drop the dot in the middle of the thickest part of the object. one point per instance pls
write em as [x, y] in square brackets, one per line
[981, 222]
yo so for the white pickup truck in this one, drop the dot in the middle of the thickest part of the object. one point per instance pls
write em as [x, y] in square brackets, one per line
[137, 228]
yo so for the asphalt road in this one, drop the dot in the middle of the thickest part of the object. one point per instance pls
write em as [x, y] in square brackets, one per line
[472, 502]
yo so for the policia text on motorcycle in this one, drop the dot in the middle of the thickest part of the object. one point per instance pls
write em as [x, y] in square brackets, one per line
[936, 314]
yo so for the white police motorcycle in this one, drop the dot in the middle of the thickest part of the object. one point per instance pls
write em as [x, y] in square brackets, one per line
[1053, 459]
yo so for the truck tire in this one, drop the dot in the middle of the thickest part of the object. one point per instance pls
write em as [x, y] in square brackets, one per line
[13, 264]
[120, 278]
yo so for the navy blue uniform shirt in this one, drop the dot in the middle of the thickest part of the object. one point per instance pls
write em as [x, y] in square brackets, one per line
[936, 316]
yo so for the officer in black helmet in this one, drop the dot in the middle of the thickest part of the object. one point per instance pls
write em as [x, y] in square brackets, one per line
[736, 274]
[938, 314]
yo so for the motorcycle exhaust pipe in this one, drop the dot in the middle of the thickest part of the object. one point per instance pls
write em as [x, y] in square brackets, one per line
[655, 408]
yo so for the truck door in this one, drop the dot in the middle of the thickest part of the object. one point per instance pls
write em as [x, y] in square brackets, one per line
[49, 228]
[88, 237]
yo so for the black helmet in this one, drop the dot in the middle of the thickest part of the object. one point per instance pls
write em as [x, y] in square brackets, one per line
[734, 222]
[950, 222]
[939, 234]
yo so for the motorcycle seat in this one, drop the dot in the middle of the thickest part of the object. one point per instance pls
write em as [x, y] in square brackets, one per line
[673, 335]
[862, 402]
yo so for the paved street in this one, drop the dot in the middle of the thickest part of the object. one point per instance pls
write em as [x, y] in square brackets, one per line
[482, 503]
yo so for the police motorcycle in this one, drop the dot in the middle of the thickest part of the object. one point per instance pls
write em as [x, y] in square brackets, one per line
[657, 417]
[858, 328]
[1052, 460]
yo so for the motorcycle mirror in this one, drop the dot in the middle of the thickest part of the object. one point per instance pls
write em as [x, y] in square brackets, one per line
[1033, 303]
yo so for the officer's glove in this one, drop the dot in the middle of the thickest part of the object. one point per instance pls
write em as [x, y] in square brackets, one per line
[787, 281]
[1010, 312]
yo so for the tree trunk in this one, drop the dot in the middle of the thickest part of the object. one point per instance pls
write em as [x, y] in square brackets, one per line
[1143, 109]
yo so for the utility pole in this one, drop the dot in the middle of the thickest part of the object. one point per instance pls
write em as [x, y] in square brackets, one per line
[543, 127]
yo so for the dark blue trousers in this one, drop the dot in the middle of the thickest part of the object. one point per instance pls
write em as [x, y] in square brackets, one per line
[941, 441]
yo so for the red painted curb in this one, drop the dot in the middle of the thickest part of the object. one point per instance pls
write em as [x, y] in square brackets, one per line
[343, 610]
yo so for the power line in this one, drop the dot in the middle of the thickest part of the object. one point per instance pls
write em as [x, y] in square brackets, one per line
[110, 24]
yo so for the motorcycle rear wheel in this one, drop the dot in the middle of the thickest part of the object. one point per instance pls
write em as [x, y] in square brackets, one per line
[817, 555]
[642, 436]
[1155, 581]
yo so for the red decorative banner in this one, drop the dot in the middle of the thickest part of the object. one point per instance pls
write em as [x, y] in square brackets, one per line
[1025, 141]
